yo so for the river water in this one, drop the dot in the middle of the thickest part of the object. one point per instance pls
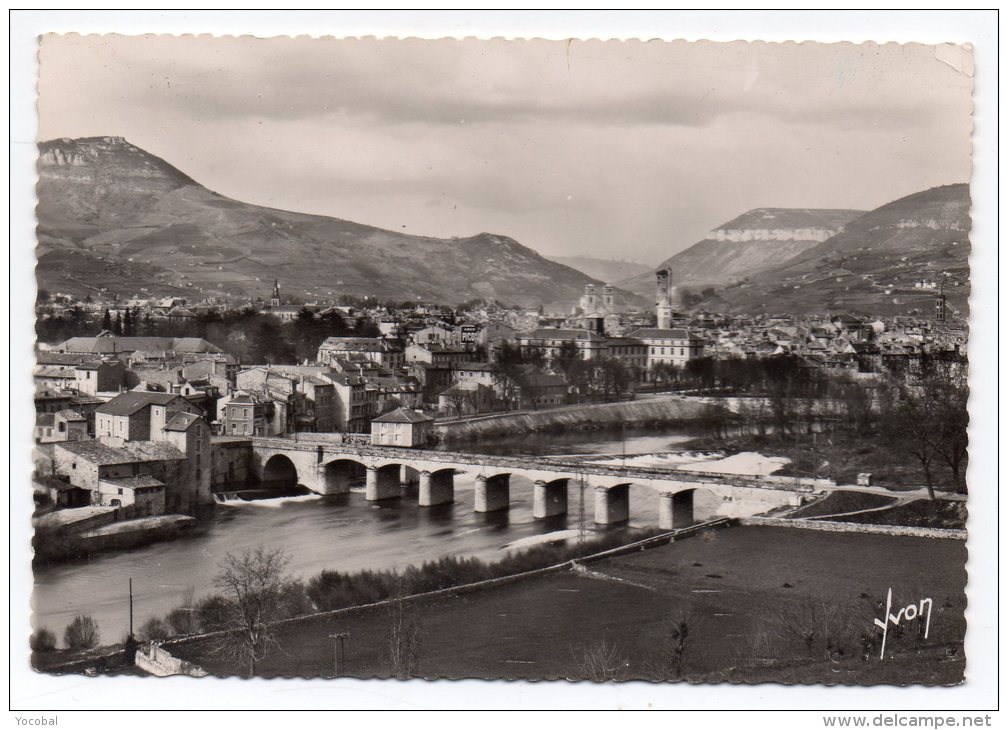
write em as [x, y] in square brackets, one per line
[344, 533]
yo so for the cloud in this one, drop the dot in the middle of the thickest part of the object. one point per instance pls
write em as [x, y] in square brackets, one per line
[616, 148]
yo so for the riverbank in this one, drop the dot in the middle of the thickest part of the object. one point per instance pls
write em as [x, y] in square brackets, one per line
[839, 455]
[78, 537]
[652, 411]
[738, 588]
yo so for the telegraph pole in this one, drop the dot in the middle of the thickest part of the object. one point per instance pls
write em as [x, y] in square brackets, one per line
[581, 508]
[339, 653]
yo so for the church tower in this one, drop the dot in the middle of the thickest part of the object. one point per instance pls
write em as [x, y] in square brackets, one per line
[275, 301]
[608, 299]
[664, 298]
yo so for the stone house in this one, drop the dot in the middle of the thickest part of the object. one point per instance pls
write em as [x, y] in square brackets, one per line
[137, 414]
[64, 425]
[107, 375]
[86, 463]
[402, 427]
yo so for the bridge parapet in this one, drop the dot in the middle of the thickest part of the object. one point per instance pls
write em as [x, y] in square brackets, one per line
[329, 449]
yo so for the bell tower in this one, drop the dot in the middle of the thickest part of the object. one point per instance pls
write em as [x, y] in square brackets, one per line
[664, 297]
[275, 301]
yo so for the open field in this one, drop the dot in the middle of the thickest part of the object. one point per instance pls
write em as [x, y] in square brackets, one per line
[743, 590]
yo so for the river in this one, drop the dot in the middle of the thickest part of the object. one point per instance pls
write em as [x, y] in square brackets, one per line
[345, 533]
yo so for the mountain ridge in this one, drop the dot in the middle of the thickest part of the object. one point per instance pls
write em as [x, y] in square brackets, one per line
[114, 217]
[891, 260]
[753, 241]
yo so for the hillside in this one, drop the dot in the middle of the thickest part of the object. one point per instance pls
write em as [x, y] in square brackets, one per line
[875, 264]
[755, 241]
[114, 217]
[607, 270]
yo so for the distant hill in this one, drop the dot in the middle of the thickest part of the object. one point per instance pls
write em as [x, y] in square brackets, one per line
[114, 217]
[875, 264]
[755, 241]
[607, 270]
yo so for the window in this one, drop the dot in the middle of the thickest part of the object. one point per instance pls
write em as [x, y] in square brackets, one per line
[120, 490]
[199, 472]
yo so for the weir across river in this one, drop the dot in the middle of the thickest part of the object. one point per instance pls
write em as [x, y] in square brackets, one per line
[326, 466]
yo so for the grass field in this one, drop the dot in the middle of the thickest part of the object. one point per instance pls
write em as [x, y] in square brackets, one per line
[743, 592]
[839, 502]
[918, 513]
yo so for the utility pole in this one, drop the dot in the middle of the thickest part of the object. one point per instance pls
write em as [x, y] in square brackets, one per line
[131, 606]
[624, 443]
[581, 509]
[339, 653]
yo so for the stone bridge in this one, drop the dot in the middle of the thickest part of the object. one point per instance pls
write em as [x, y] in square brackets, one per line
[327, 466]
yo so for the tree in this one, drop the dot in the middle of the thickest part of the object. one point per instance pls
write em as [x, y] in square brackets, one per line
[106, 323]
[671, 644]
[930, 420]
[42, 640]
[405, 634]
[255, 585]
[117, 324]
[567, 355]
[82, 633]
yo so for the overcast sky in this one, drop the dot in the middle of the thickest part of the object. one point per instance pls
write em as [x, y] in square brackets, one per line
[617, 149]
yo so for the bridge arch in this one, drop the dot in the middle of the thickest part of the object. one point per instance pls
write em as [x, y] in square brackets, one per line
[612, 504]
[493, 492]
[383, 482]
[678, 508]
[279, 472]
[340, 474]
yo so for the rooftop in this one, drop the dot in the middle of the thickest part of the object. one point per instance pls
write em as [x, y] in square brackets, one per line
[180, 422]
[130, 452]
[128, 403]
[135, 482]
[402, 415]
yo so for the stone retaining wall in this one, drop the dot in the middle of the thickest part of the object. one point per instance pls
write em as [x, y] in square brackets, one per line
[157, 661]
[934, 532]
[589, 415]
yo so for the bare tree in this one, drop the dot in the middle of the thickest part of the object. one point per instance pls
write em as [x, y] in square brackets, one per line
[671, 645]
[929, 419]
[405, 636]
[598, 661]
[255, 585]
[820, 628]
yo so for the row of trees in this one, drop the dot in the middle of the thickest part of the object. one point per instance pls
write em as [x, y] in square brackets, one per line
[246, 334]
[925, 418]
[603, 377]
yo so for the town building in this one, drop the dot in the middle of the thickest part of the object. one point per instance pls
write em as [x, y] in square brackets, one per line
[95, 465]
[138, 415]
[547, 342]
[673, 346]
[437, 355]
[387, 353]
[402, 427]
